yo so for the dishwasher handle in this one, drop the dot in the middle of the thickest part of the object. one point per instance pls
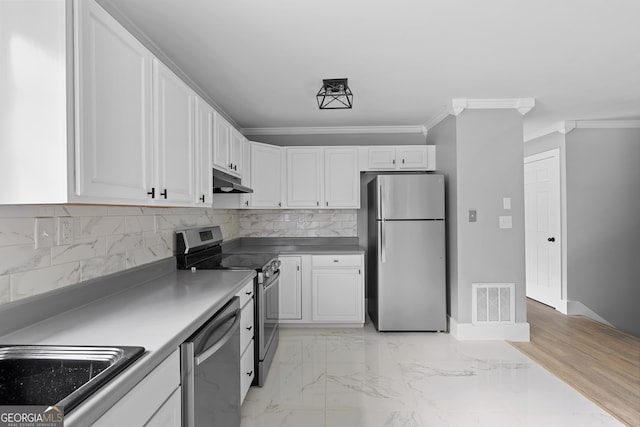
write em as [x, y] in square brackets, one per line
[210, 351]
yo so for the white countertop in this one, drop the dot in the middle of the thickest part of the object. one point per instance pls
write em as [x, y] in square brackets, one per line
[158, 315]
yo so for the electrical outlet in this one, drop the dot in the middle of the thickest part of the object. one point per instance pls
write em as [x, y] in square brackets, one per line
[473, 215]
[44, 233]
[65, 230]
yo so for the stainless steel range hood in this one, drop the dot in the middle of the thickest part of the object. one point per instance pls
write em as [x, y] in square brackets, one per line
[223, 183]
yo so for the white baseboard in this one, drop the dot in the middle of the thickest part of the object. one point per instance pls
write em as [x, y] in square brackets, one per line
[578, 308]
[468, 331]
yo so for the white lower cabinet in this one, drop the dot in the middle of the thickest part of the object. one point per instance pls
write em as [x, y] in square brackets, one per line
[337, 289]
[247, 330]
[247, 370]
[290, 295]
[321, 289]
[152, 396]
[170, 413]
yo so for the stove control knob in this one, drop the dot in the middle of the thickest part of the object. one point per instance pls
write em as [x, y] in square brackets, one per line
[276, 264]
[268, 271]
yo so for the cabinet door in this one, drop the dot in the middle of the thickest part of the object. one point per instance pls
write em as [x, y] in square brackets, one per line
[341, 178]
[204, 141]
[337, 295]
[235, 153]
[304, 175]
[170, 413]
[290, 298]
[266, 169]
[113, 144]
[247, 371]
[221, 142]
[174, 138]
[381, 158]
[413, 157]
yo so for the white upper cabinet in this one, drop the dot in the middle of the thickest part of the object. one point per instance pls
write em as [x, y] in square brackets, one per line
[322, 177]
[266, 172]
[221, 142]
[227, 147]
[204, 145]
[114, 109]
[235, 152]
[174, 104]
[405, 157]
[304, 177]
[341, 178]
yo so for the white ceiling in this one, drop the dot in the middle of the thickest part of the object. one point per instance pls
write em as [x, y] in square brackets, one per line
[263, 61]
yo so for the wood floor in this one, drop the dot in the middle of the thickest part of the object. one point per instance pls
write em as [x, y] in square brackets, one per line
[600, 362]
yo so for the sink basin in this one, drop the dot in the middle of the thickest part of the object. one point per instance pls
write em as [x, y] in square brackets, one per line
[58, 375]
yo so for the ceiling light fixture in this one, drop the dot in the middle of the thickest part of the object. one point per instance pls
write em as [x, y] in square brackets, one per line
[334, 94]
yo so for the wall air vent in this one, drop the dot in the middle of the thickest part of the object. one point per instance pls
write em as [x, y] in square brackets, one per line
[493, 303]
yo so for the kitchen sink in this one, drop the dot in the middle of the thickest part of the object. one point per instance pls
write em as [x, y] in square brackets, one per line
[58, 375]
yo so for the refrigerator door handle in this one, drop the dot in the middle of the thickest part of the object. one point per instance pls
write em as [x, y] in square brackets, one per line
[381, 199]
[383, 243]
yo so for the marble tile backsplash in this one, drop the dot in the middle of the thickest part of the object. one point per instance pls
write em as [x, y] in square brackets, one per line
[298, 223]
[104, 240]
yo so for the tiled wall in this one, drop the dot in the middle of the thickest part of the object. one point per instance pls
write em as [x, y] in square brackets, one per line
[105, 240]
[298, 223]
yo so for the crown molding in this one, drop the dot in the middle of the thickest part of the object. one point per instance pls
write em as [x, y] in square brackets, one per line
[335, 130]
[523, 105]
[567, 126]
[446, 112]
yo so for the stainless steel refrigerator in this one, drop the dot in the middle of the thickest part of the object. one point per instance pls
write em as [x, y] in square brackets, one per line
[406, 280]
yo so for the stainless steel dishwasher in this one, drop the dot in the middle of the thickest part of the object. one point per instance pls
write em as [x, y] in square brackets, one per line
[211, 371]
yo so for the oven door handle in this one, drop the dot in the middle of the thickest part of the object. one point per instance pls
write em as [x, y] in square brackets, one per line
[202, 357]
[272, 280]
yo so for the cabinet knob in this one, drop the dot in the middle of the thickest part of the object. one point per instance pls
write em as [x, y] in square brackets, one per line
[248, 328]
[248, 293]
[393, 161]
[152, 193]
[249, 373]
[403, 161]
[202, 198]
[551, 239]
[280, 204]
[246, 203]
[327, 203]
[164, 193]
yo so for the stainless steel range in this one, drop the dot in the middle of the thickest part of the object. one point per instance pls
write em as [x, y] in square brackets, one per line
[200, 249]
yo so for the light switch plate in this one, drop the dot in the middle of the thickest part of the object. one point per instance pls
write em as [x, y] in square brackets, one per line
[506, 202]
[506, 221]
[44, 233]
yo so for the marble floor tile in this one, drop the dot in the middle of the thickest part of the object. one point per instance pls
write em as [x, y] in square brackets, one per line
[359, 377]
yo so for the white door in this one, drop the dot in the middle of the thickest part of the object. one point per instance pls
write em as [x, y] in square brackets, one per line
[221, 142]
[114, 109]
[382, 158]
[204, 145]
[290, 292]
[304, 175]
[542, 228]
[235, 152]
[266, 167]
[341, 178]
[174, 157]
[336, 295]
[413, 157]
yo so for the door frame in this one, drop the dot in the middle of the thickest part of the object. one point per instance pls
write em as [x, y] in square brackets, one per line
[559, 154]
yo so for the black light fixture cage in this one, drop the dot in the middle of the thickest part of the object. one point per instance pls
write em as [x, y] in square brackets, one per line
[334, 94]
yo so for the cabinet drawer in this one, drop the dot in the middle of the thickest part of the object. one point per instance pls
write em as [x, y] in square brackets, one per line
[246, 326]
[247, 371]
[336, 260]
[139, 405]
[246, 293]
